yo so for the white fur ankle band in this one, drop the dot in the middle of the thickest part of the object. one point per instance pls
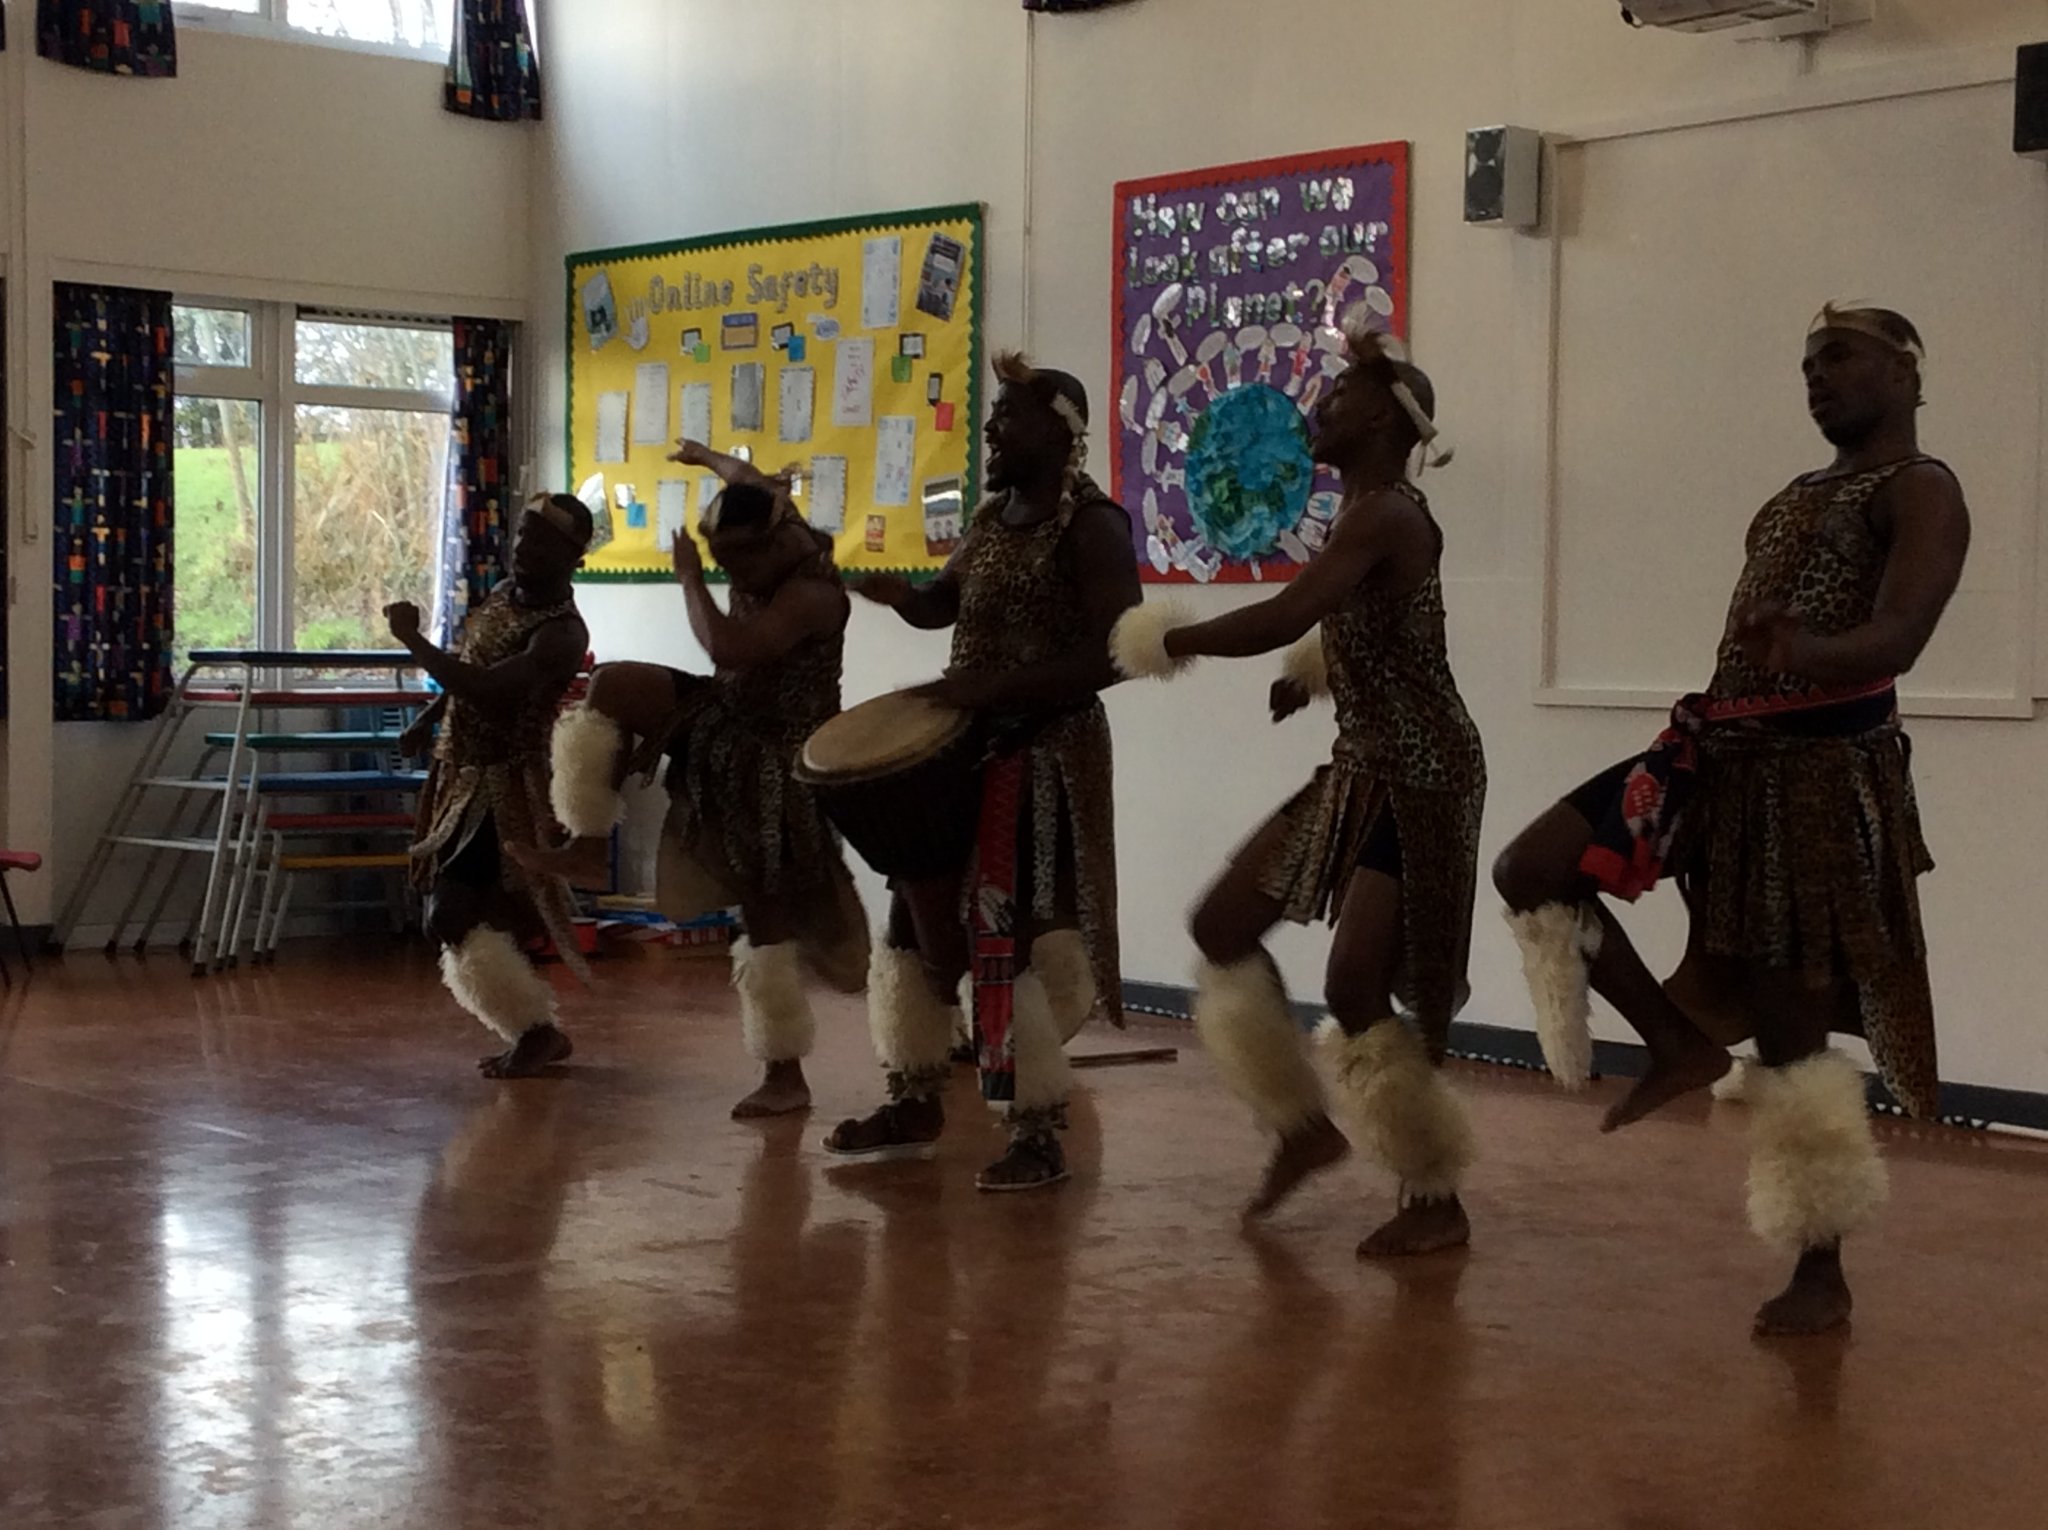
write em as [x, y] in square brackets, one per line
[582, 792]
[1814, 1171]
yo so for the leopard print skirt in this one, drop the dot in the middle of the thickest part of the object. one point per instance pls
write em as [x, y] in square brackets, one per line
[1803, 854]
[1328, 823]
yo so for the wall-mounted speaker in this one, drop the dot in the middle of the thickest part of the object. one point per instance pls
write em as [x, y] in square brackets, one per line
[1503, 177]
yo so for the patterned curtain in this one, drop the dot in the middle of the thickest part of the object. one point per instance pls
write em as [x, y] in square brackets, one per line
[112, 527]
[475, 516]
[109, 36]
[491, 68]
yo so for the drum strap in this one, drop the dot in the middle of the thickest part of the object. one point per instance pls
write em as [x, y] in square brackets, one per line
[995, 919]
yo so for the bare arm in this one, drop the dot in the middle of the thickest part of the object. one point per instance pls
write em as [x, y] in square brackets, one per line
[730, 469]
[419, 733]
[1930, 537]
[801, 608]
[1359, 543]
[929, 607]
[549, 660]
[1109, 587]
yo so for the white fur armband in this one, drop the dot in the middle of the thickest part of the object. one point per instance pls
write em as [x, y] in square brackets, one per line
[1137, 644]
[1306, 665]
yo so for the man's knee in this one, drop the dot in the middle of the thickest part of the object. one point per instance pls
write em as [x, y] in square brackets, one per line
[1219, 933]
[452, 911]
[1530, 873]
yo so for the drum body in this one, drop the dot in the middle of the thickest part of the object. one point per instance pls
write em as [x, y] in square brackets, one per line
[900, 778]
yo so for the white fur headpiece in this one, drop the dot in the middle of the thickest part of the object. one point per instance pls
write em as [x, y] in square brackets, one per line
[1368, 344]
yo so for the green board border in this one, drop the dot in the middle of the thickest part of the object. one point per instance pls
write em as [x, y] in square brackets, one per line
[973, 213]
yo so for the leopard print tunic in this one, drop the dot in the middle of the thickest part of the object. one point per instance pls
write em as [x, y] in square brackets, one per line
[732, 748]
[1020, 603]
[492, 767]
[1406, 746]
[1803, 853]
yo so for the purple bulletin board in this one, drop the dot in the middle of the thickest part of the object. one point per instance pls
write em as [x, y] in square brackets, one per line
[1229, 283]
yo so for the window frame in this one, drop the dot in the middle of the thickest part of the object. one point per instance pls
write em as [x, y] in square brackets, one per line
[269, 21]
[271, 382]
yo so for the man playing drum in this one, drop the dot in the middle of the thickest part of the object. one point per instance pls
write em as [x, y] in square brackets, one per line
[1032, 593]
[737, 821]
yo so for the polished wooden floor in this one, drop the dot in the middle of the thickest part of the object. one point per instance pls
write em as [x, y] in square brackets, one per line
[275, 1256]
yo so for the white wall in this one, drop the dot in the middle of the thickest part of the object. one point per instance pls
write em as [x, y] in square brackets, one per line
[888, 103]
[266, 169]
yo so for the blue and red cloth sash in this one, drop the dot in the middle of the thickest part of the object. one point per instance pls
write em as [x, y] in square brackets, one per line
[1631, 844]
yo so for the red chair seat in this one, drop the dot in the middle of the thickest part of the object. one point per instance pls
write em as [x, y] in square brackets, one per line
[20, 860]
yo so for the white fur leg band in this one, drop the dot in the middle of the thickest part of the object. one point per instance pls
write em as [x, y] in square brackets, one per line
[1406, 1114]
[1137, 644]
[1307, 666]
[1043, 1074]
[582, 792]
[1242, 1017]
[1559, 942]
[1060, 958]
[1814, 1171]
[913, 1031]
[775, 1012]
[1733, 1087]
[491, 978]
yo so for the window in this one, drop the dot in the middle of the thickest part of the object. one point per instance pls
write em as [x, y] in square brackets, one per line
[406, 26]
[311, 458]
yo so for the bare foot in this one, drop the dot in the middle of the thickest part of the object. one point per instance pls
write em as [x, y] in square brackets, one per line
[1309, 1151]
[899, 1129]
[1668, 1079]
[783, 1092]
[1419, 1227]
[1816, 1300]
[538, 1048]
[580, 862]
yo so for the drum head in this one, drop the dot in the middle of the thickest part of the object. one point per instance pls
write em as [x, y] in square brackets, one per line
[882, 735]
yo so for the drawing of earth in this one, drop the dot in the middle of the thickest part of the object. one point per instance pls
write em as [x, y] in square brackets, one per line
[1249, 470]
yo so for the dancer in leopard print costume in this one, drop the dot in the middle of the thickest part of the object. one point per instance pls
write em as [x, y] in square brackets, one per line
[487, 792]
[1031, 595]
[1384, 842]
[1783, 802]
[741, 830]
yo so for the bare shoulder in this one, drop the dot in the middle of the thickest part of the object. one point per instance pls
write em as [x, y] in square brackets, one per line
[1387, 518]
[566, 633]
[820, 605]
[1926, 496]
[1104, 527]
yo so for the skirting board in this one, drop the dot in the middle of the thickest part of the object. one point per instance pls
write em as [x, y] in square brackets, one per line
[1974, 1107]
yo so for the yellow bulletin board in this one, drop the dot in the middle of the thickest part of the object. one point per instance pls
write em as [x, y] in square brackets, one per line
[852, 348]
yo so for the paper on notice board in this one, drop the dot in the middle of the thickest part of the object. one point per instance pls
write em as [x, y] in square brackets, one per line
[853, 383]
[707, 490]
[881, 282]
[650, 403]
[697, 411]
[671, 509]
[611, 427]
[895, 453]
[798, 397]
[828, 494]
[748, 379]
